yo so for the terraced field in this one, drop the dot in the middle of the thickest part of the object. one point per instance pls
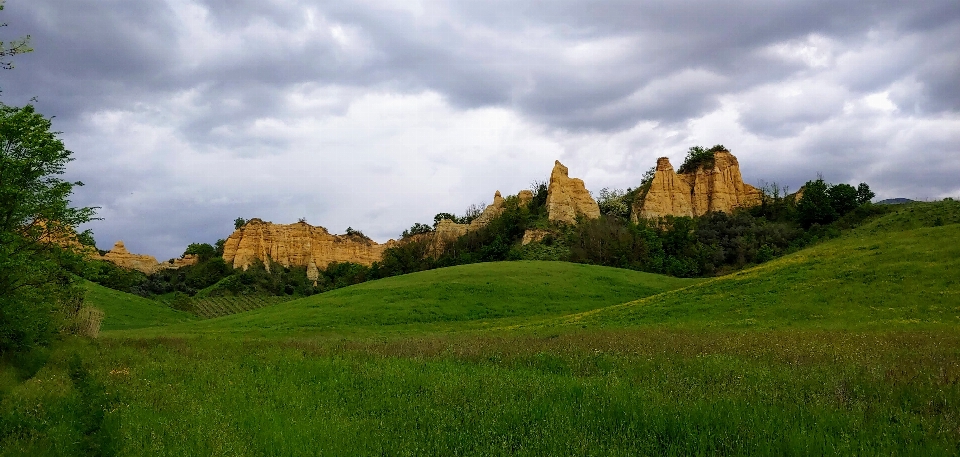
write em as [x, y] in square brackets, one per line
[211, 307]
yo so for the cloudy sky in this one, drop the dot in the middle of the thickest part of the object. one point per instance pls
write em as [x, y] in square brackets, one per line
[185, 114]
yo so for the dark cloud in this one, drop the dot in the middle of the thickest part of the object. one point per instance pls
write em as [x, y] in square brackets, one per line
[150, 90]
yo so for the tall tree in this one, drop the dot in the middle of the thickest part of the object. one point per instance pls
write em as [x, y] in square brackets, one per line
[816, 207]
[37, 241]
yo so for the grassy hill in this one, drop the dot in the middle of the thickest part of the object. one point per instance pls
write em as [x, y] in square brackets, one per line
[128, 311]
[894, 271]
[467, 296]
[849, 347]
[873, 278]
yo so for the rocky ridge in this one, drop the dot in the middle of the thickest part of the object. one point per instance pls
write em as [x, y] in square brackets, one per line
[696, 192]
[298, 244]
[568, 198]
[148, 264]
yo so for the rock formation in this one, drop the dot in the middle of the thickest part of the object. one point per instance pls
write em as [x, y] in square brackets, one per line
[534, 236]
[148, 264]
[448, 230]
[120, 256]
[567, 198]
[525, 196]
[696, 192]
[299, 244]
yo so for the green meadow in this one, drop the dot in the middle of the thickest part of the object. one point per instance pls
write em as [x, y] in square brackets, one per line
[850, 346]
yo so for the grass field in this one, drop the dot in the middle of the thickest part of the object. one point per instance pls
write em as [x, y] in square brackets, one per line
[127, 311]
[848, 347]
[468, 296]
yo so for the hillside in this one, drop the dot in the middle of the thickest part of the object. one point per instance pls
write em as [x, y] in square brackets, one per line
[846, 348]
[901, 271]
[128, 311]
[480, 294]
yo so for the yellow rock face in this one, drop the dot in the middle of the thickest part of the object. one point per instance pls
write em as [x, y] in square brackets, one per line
[120, 256]
[533, 236]
[299, 244]
[697, 192]
[567, 198]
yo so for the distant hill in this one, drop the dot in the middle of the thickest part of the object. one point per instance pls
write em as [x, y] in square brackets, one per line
[895, 201]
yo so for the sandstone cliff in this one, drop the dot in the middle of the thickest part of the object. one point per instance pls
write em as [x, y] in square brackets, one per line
[299, 244]
[696, 192]
[120, 256]
[148, 264]
[567, 198]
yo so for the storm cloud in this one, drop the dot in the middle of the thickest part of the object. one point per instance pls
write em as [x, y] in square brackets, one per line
[184, 114]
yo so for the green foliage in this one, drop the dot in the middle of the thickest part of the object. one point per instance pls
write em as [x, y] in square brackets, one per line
[613, 203]
[181, 302]
[127, 311]
[239, 222]
[108, 274]
[843, 198]
[775, 206]
[698, 157]
[203, 251]
[37, 295]
[823, 204]
[864, 194]
[351, 232]
[12, 48]
[816, 207]
[417, 229]
[471, 213]
[540, 191]
[188, 279]
[640, 193]
[218, 247]
[441, 216]
[85, 238]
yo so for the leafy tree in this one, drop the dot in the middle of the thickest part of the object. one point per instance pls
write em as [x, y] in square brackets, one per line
[864, 195]
[441, 216]
[816, 205]
[12, 48]
[203, 251]
[239, 222]
[37, 295]
[612, 202]
[843, 198]
[218, 247]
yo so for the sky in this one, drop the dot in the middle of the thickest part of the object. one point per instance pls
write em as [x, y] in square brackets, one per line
[183, 115]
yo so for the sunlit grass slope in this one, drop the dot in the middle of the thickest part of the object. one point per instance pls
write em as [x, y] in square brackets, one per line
[478, 293]
[886, 274]
[128, 311]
